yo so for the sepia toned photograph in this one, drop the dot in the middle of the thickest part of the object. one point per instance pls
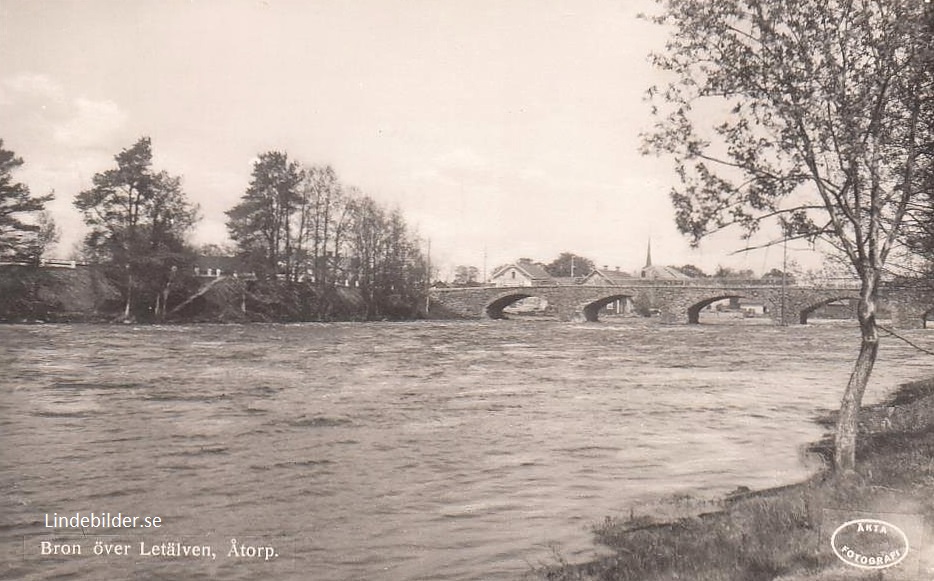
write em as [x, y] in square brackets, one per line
[467, 290]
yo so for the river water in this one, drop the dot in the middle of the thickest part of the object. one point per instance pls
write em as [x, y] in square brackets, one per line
[400, 451]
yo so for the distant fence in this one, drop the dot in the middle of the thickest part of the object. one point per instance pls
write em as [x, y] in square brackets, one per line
[47, 263]
[55, 263]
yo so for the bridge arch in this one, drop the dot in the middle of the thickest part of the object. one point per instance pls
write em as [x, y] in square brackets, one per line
[591, 310]
[805, 312]
[695, 309]
[494, 308]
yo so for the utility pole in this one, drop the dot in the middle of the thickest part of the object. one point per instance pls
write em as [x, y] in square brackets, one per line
[484, 265]
[784, 274]
[428, 280]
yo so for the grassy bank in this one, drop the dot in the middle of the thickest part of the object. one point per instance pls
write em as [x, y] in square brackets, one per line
[784, 533]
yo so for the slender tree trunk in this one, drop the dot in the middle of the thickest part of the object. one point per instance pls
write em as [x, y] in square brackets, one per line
[129, 298]
[317, 232]
[301, 258]
[162, 299]
[848, 420]
[326, 219]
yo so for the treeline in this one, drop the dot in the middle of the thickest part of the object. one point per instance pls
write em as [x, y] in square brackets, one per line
[306, 247]
[302, 225]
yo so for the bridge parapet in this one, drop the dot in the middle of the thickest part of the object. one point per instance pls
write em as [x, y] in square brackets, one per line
[704, 284]
[682, 301]
[693, 283]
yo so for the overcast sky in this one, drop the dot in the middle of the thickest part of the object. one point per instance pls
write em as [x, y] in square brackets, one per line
[502, 128]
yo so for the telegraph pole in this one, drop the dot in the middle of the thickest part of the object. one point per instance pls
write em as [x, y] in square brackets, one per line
[784, 274]
[484, 265]
[428, 280]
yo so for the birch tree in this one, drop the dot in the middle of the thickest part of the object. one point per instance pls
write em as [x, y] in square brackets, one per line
[322, 205]
[809, 113]
[367, 241]
[388, 266]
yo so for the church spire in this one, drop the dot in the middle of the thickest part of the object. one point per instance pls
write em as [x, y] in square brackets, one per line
[648, 254]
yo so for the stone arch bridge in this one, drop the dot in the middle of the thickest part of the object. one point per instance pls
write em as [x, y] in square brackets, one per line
[679, 301]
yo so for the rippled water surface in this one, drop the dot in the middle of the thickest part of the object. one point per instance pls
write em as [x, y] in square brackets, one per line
[429, 450]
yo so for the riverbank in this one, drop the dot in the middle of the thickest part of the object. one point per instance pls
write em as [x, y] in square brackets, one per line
[88, 295]
[783, 533]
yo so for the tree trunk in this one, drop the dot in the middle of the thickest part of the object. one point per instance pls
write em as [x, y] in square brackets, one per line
[848, 420]
[162, 298]
[129, 298]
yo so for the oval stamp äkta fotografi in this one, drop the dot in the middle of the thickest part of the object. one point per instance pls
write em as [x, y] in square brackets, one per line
[869, 543]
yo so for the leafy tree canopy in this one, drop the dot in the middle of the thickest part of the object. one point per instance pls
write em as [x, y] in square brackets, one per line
[814, 113]
[727, 272]
[466, 276]
[692, 271]
[262, 224]
[139, 220]
[20, 228]
[569, 264]
[777, 274]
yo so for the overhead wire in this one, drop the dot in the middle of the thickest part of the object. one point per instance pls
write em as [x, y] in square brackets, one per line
[897, 336]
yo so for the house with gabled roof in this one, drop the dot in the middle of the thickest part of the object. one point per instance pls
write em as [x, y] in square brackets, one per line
[655, 272]
[606, 277]
[522, 273]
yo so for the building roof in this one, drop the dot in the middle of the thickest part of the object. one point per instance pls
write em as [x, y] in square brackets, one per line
[530, 269]
[663, 273]
[609, 276]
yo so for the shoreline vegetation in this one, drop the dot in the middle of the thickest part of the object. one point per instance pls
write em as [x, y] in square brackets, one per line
[87, 295]
[781, 533]
[306, 247]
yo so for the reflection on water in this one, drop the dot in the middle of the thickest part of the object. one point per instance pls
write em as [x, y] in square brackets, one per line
[430, 450]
